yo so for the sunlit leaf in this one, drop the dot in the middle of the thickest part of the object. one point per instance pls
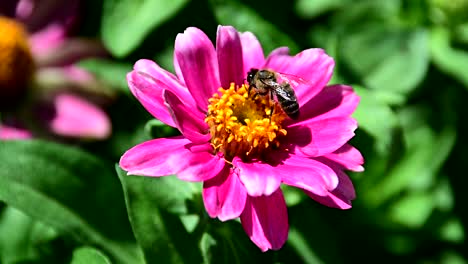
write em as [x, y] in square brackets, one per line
[413, 210]
[461, 33]
[452, 257]
[244, 18]
[157, 129]
[387, 58]
[419, 164]
[453, 231]
[88, 255]
[376, 117]
[309, 9]
[448, 59]
[206, 244]
[21, 236]
[355, 12]
[126, 23]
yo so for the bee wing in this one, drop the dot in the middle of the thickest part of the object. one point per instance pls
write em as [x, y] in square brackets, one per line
[285, 91]
[269, 82]
[293, 80]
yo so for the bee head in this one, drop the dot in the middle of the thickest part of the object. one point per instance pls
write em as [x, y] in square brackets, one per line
[251, 75]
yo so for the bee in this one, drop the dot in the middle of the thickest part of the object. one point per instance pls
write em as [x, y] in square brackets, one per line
[266, 81]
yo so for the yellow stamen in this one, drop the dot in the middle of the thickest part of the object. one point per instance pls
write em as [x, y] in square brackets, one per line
[16, 61]
[241, 125]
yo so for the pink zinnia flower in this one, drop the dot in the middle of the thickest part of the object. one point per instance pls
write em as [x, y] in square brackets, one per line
[36, 51]
[233, 143]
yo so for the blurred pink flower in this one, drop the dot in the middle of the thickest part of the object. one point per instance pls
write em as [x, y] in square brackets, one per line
[10, 130]
[231, 142]
[69, 115]
[36, 51]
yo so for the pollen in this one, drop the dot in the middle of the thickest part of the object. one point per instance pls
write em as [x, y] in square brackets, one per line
[242, 124]
[16, 61]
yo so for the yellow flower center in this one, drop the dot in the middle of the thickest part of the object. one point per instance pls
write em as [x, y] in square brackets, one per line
[16, 61]
[242, 125]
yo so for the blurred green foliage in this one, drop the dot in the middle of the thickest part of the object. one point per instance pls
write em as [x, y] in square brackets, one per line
[408, 61]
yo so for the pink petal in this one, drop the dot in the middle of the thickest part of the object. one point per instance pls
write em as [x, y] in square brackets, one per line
[148, 81]
[38, 14]
[258, 178]
[200, 167]
[321, 137]
[224, 196]
[279, 52]
[308, 174]
[196, 57]
[341, 196]
[49, 21]
[73, 116]
[168, 156]
[188, 120]
[229, 51]
[157, 157]
[8, 132]
[265, 220]
[74, 75]
[312, 65]
[252, 52]
[332, 101]
[177, 70]
[47, 40]
[24, 8]
[348, 157]
[70, 51]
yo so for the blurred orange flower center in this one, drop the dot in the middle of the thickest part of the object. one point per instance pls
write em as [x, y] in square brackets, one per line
[16, 62]
[241, 124]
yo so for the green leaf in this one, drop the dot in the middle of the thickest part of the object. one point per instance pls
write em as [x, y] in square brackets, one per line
[89, 255]
[308, 223]
[55, 184]
[452, 257]
[154, 128]
[244, 19]
[153, 205]
[293, 195]
[355, 12]
[113, 73]
[125, 23]
[413, 210]
[398, 64]
[310, 9]
[298, 241]
[21, 237]
[207, 242]
[376, 117]
[461, 33]
[426, 151]
[226, 242]
[452, 231]
[448, 59]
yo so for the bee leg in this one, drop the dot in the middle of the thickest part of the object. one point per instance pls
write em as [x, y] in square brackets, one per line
[271, 105]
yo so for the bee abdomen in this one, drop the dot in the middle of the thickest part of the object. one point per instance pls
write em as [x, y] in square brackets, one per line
[291, 108]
